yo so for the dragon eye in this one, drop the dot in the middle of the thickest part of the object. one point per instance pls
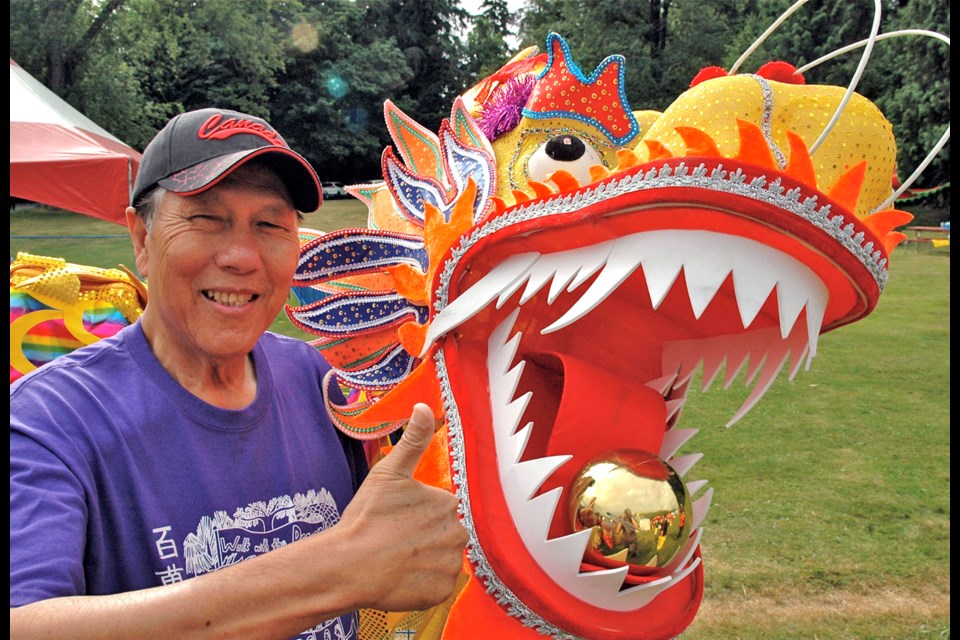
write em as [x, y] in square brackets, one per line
[566, 152]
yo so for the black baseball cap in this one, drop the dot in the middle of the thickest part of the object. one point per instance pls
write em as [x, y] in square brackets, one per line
[197, 149]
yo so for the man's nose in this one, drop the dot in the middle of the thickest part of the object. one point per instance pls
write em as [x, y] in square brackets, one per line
[239, 250]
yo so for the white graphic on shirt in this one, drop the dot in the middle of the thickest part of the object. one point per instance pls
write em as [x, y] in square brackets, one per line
[166, 548]
[222, 540]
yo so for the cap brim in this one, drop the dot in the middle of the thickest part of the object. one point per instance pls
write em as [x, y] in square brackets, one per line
[293, 169]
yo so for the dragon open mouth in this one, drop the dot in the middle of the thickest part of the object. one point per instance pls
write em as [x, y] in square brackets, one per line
[562, 349]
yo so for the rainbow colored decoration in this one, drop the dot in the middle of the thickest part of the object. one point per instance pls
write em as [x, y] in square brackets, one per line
[57, 307]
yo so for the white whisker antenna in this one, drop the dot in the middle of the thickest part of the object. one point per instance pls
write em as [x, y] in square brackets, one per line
[874, 29]
[946, 134]
[867, 44]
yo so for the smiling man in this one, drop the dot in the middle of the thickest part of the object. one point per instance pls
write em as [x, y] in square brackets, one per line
[182, 478]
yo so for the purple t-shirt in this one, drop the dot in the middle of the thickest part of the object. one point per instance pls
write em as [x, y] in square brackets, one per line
[120, 479]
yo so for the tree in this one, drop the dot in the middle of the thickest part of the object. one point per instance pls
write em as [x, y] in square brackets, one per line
[62, 52]
[486, 46]
[426, 32]
[329, 99]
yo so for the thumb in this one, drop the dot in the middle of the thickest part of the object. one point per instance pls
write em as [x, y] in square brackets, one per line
[418, 433]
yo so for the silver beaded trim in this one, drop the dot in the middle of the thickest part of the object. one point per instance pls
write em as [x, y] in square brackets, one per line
[482, 569]
[767, 120]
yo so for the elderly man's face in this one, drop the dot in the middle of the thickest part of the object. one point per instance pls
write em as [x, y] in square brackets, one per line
[219, 265]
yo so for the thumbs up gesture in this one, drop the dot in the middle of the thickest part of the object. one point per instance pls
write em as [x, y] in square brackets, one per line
[409, 532]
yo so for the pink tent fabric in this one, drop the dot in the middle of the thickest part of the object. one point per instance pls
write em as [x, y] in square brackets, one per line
[61, 158]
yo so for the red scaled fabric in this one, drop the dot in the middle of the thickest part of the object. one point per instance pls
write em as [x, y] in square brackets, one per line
[61, 158]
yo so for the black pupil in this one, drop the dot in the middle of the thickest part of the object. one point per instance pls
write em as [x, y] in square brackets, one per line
[565, 148]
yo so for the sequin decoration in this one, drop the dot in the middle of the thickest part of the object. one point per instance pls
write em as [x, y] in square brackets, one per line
[562, 91]
[357, 251]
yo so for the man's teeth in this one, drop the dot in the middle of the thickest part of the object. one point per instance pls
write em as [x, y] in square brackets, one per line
[532, 514]
[229, 299]
[706, 258]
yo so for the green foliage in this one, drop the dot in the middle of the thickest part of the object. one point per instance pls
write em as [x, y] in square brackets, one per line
[486, 46]
[328, 103]
[425, 32]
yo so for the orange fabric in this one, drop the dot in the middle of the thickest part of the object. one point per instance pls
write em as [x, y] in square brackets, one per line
[477, 616]
[846, 191]
[657, 150]
[800, 165]
[564, 180]
[420, 386]
[753, 146]
[698, 143]
[626, 159]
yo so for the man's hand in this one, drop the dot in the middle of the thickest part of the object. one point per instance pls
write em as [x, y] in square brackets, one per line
[408, 533]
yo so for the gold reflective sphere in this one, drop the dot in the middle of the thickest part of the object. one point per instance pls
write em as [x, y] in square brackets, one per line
[636, 505]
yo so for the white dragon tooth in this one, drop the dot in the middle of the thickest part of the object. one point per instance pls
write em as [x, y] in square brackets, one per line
[681, 356]
[816, 307]
[736, 358]
[533, 517]
[515, 445]
[471, 301]
[773, 363]
[684, 463]
[522, 480]
[714, 354]
[662, 384]
[683, 557]
[591, 259]
[797, 288]
[508, 382]
[673, 407]
[752, 287]
[508, 291]
[790, 308]
[500, 350]
[695, 485]
[673, 440]
[642, 594]
[621, 262]
[704, 278]
[798, 352]
[567, 270]
[660, 276]
[755, 365]
[506, 417]
[563, 555]
[599, 584]
[541, 273]
[700, 508]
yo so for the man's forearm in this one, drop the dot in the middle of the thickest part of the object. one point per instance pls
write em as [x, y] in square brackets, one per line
[277, 595]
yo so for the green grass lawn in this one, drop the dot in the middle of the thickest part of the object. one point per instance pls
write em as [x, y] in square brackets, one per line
[831, 512]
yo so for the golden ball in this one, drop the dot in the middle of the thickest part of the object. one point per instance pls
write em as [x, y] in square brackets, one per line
[636, 505]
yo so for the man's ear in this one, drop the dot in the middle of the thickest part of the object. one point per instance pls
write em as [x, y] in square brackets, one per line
[138, 236]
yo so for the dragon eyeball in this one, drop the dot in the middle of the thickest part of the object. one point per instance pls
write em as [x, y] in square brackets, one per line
[637, 507]
[567, 152]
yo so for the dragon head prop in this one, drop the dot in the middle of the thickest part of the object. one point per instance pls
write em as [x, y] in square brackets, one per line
[549, 270]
